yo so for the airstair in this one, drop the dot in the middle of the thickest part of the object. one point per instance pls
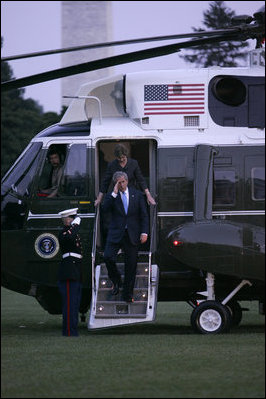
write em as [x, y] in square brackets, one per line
[109, 310]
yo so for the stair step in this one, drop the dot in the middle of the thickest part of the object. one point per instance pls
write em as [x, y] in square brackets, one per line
[140, 282]
[121, 316]
[142, 268]
[105, 294]
[122, 276]
[117, 309]
[121, 254]
[122, 302]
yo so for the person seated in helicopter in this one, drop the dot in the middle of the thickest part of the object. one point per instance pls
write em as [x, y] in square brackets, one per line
[130, 166]
[55, 175]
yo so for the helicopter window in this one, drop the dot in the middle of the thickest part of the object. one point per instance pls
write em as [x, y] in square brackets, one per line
[75, 178]
[237, 101]
[224, 187]
[258, 183]
[256, 111]
[229, 90]
[52, 171]
[21, 176]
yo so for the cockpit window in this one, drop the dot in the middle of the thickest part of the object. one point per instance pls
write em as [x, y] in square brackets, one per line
[52, 171]
[65, 172]
[20, 178]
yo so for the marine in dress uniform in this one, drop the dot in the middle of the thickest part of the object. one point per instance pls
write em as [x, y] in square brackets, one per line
[69, 273]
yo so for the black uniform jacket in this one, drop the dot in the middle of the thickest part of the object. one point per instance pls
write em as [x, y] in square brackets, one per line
[132, 170]
[136, 220]
[69, 240]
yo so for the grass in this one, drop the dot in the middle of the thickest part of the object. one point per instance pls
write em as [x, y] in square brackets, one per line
[163, 359]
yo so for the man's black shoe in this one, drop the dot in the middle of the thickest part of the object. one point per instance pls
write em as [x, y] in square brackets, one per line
[129, 299]
[115, 289]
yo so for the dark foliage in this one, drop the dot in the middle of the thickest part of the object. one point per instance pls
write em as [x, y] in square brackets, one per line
[21, 120]
[224, 54]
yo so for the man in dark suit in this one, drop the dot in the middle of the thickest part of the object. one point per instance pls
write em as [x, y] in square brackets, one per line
[128, 228]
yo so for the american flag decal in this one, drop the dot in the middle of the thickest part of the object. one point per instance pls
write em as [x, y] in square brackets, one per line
[169, 99]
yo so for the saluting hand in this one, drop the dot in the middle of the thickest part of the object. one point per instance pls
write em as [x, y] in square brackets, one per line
[116, 187]
[77, 220]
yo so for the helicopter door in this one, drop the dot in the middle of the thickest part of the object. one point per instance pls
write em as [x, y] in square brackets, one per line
[107, 310]
[145, 152]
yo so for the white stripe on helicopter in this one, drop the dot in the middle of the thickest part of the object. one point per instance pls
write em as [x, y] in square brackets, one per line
[160, 214]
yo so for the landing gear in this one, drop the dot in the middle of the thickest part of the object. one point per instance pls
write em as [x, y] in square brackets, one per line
[210, 317]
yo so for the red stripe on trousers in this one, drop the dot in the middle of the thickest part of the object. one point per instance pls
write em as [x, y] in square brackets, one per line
[68, 309]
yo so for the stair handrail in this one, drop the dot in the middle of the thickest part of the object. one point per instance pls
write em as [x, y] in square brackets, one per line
[93, 249]
[151, 250]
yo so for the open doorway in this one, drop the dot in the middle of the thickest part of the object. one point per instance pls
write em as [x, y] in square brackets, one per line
[142, 150]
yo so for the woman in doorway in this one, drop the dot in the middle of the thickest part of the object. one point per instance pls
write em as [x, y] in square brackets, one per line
[128, 165]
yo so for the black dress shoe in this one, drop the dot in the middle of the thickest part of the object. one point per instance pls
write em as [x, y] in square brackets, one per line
[129, 299]
[115, 289]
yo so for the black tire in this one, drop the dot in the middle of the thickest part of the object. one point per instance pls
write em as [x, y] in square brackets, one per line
[236, 312]
[211, 317]
[82, 318]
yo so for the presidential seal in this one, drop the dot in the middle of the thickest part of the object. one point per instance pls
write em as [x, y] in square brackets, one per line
[46, 245]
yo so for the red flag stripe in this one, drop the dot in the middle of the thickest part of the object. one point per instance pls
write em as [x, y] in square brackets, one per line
[172, 96]
[172, 113]
[170, 103]
[182, 89]
[186, 84]
[155, 109]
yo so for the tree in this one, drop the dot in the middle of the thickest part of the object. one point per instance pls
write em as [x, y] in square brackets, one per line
[224, 54]
[21, 120]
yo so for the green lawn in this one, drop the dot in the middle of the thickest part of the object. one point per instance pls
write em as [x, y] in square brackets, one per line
[163, 359]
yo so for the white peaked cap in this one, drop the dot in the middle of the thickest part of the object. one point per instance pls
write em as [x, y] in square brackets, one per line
[68, 212]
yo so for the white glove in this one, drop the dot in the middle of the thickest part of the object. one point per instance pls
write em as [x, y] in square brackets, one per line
[77, 220]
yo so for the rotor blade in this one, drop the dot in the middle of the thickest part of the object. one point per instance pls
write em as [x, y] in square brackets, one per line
[112, 61]
[119, 43]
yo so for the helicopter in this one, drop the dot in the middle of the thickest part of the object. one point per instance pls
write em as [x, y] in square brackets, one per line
[198, 136]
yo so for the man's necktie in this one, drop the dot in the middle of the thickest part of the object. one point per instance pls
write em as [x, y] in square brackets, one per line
[124, 199]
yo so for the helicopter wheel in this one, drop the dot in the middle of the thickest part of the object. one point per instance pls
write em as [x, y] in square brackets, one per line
[236, 312]
[211, 317]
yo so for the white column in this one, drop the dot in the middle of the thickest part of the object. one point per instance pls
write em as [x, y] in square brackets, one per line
[84, 22]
